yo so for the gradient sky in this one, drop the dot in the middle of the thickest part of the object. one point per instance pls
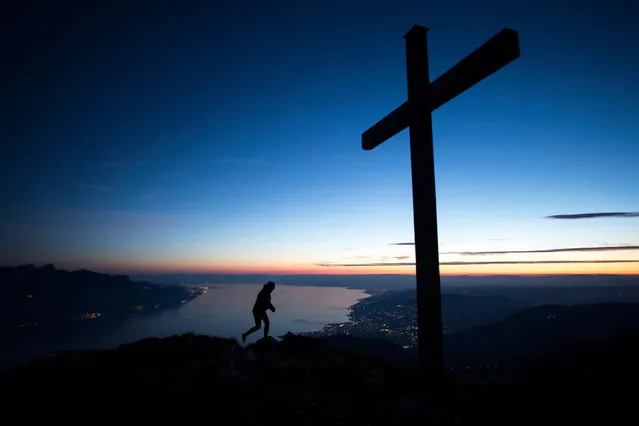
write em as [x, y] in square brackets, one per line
[225, 137]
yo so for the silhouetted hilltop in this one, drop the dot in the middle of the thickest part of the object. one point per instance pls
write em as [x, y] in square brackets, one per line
[537, 330]
[42, 296]
[297, 380]
[304, 380]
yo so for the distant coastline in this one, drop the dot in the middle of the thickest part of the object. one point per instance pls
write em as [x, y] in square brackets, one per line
[44, 305]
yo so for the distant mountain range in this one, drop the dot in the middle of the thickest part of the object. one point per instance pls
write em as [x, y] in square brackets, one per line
[45, 295]
[516, 341]
[537, 331]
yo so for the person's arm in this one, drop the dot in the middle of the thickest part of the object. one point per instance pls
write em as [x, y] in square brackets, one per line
[270, 305]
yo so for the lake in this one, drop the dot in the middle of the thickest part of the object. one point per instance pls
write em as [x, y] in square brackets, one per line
[224, 311]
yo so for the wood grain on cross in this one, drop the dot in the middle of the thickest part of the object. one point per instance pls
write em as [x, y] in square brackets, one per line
[423, 98]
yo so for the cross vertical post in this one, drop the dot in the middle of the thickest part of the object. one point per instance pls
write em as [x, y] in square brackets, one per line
[429, 312]
[423, 98]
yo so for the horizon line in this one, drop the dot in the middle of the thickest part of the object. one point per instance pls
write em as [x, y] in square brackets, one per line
[319, 274]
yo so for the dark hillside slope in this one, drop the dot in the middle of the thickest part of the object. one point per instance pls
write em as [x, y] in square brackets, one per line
[298, 381]
[537, 330]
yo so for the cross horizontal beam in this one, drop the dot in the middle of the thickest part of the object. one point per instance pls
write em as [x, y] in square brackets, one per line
[387, 127]
[497, 52]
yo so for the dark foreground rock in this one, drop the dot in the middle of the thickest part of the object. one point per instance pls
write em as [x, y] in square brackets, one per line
[297, 381]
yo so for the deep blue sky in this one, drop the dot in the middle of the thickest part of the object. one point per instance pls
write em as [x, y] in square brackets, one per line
[226, 135]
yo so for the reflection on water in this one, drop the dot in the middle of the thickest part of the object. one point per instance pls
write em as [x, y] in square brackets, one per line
[224, 311]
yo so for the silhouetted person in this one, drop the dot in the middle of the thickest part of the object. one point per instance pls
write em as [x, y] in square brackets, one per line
[262, 303]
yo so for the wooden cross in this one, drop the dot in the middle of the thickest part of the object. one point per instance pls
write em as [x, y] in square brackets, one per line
[415, 113]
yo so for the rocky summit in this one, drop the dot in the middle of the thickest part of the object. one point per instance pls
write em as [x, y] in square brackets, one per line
[299, 380]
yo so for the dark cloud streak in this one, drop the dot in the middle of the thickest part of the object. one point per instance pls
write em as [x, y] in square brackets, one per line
[559, 250]
[593, 215]
[504, 262]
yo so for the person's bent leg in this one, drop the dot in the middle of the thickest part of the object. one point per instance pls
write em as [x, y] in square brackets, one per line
[253, 329]
[267, 324]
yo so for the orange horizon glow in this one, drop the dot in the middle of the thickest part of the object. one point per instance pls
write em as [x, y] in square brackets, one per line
[445, 270]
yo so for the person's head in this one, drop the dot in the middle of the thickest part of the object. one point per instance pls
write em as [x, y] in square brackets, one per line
[270, 285]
